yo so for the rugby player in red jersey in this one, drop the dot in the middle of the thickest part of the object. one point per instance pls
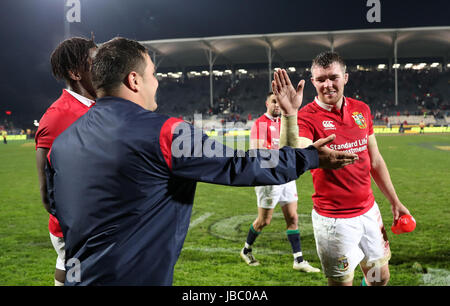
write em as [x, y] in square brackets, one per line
[71, 61]
[347, 222]
[265, 134]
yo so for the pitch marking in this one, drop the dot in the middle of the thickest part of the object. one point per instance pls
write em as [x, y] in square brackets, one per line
[443, 148]
[200, 220]
[260, 251]
[436, 277]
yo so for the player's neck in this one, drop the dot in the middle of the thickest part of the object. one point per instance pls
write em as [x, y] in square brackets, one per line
[79, 89]
[329, 106]
[271, 117]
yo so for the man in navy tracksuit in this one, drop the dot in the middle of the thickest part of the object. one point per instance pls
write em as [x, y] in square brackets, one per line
[122, 178]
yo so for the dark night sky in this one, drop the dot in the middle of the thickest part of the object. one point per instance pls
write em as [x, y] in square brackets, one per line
[31, 29]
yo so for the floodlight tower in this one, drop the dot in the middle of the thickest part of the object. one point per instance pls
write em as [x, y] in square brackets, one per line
[396, 69]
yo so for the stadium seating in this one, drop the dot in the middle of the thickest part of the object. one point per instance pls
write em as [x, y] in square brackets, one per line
[420, 91]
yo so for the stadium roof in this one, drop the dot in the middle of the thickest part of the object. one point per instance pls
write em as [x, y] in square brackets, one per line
[301, 46]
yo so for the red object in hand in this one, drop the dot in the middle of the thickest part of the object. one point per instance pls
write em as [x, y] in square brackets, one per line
[404, 224]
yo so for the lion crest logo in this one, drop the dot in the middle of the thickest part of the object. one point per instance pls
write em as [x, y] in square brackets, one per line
[359, 120]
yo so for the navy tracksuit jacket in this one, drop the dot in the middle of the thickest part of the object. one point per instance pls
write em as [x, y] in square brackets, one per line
[122, 182]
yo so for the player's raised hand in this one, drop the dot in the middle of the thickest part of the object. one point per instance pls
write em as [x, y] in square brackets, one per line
[331, 159]
[288, 98]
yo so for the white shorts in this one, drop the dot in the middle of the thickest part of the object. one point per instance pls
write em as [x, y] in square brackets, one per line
[343, 243]
[59, 245]
[269, 196]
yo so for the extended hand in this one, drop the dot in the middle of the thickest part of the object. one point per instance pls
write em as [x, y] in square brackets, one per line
[288, 98]
[331, 159]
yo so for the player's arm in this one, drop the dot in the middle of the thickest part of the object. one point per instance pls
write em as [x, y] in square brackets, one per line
[380, 175]
[289, 133]
[223, 165]
[41, 157]
[290, 100]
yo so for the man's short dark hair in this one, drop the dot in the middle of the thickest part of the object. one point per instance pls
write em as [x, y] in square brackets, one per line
[269, 94]
[115, 59]
[325, 59]
[71, 55]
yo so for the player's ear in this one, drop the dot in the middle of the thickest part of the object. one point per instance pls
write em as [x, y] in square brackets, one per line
[345, 78]
[132, 82]
[74, 75]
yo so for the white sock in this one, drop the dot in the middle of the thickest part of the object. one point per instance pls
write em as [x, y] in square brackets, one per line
[298, 254]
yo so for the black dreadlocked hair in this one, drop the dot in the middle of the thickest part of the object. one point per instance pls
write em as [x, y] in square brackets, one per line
[71, 55]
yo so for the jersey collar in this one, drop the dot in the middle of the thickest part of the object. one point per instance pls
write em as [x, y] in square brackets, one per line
[331, 108]
[274, 119]
[80, 98]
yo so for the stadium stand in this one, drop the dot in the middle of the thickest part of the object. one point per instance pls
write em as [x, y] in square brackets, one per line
[243, 62]
[238, 69]
[423, 95]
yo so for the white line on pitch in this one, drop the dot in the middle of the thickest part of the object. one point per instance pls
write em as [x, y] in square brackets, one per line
[236, 251]
[200, 219]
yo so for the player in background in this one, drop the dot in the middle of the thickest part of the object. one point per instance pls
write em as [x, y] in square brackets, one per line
[71, 61]
[422, 127]
[346, 219]
[265, 133]
[4, 135]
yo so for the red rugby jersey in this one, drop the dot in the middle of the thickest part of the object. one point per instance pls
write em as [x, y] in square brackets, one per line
[268, 129]
[346, 192]
[58, 117]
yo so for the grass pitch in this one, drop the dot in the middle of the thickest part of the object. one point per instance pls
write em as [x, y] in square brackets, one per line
[419, 166]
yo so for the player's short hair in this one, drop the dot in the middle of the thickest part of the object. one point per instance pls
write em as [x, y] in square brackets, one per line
[113, 62]
[71, 55]
[269, 94]
[325, 59]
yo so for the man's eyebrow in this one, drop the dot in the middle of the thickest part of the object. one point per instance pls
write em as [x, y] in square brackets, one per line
[327, 76]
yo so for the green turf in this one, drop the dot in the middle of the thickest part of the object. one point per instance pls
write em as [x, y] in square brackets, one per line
[222, 215]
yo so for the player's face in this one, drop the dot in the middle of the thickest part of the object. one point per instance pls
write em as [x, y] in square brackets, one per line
[273, 108]
[150, 84]
[329, 82]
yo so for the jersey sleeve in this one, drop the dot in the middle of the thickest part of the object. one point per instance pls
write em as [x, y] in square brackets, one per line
[193, 155]
[48, 129]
